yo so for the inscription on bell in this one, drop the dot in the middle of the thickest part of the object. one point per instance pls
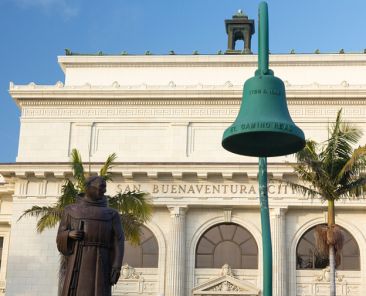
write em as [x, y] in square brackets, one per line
[272, 92]
[265, 125]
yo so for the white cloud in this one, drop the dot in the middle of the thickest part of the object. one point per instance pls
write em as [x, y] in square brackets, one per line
[66, 8]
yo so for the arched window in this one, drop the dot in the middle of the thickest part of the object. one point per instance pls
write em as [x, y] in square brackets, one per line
[144, 255]
[227, 243]
[308, 258]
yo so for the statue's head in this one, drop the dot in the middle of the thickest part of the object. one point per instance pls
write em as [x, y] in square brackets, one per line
[95, 187]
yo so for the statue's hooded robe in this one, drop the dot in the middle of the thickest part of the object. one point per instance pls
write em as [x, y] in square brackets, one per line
[89, 262]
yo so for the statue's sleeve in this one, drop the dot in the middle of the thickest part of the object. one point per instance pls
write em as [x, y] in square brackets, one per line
[118, 242]
[64, 243]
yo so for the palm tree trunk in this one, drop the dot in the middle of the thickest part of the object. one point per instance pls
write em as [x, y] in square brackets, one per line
[332, 271]
[331, 222]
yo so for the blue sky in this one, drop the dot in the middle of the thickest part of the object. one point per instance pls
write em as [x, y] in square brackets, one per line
[34, 32]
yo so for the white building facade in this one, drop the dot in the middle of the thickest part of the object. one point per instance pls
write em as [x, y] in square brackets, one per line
[164, 117]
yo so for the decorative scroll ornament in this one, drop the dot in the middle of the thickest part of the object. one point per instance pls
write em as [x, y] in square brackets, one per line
[115, 84]
[128, 272]
[324, 276]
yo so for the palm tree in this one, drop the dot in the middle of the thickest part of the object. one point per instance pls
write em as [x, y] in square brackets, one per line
[133, 206]
[332, 170]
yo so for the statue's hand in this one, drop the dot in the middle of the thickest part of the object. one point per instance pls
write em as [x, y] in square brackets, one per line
[116, 272]
[76, 234]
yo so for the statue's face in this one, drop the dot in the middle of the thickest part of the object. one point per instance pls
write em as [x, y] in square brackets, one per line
[96, 189]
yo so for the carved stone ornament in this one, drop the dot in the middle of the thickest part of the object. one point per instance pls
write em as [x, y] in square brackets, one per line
[115, 84]
[228, 84]
[59, 84]
[225, 284]
[128, 272]
[224, 287]
[227, 218]
[172, 84]
[324, 276]
[226, 270]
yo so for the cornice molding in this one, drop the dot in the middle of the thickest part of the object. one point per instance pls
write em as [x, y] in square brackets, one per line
[172, 94]
[208, 101]
[210, 60]
[146, 170]
[59, 87]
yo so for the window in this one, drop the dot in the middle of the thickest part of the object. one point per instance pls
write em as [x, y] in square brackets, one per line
[227, 243]
[307, 257]
[144, 255]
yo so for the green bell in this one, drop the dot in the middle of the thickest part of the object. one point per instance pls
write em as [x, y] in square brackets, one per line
[264, 126]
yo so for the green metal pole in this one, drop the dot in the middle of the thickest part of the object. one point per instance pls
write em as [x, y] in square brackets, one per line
[266, 228]
[263, 42]
[263, 69]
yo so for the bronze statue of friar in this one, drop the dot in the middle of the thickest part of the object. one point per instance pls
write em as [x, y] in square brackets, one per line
[91, 238]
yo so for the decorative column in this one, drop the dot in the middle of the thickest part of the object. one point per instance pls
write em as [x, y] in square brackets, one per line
[175, 277]
[230, 39]
[278, 231]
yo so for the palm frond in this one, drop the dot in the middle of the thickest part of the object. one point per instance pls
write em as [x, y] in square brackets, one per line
[309, 161]
[105, 170]
[50, 216]
[343, 142]
[68, 194]
[78, 170]
[330, 149]
[306, 191]
[339, 146]
[305, 173]
[333, 169]
[313, 173]
[355, 164]
[131, 227]
[132, 202]
[353, 189]
[35, 211]
[309, 152]
[50, 220]
[303, 189]
[135, 209]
